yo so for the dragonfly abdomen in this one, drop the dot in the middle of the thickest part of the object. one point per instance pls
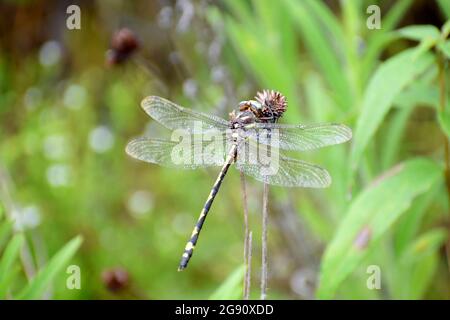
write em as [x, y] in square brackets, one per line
[190, 245]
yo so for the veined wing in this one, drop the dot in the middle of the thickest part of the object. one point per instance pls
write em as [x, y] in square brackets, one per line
[299, 137]
[173, 116]
[277, 169]
[190, 154]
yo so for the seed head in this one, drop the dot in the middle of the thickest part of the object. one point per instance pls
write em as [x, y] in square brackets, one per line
[115, 279]
[273, 103]
[124, 43]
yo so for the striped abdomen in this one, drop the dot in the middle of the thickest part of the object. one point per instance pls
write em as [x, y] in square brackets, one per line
[189, 249]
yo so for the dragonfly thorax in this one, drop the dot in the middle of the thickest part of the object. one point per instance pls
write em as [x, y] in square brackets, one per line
[242, 118]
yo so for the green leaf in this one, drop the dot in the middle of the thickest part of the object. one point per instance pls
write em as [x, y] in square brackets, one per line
[421, 92]
[7, 261]
[422, 275]
[445, 30]
[445, 7]
[381, 38]
[392, 137]
[42, 280]
[425, 245]
[444, 47]
[388, 81]
[418, 264]
[410, 223]
[231, 288]
[370, 216]
[8, 281]
[420, 32]
[418, 93]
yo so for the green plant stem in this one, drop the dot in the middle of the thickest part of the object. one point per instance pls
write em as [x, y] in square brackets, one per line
[442, 104]
[265, 214]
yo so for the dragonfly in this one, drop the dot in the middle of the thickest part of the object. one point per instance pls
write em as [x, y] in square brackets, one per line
[252, 130]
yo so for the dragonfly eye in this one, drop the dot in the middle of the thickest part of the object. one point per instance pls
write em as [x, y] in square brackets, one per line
[250, 104]
[243, 105]
[255, 104]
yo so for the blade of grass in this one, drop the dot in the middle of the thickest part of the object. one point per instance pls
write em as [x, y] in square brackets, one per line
[326, 17]
[5, 231]
[231, 288]
[42, 280]
[7, 261]
[322, 51]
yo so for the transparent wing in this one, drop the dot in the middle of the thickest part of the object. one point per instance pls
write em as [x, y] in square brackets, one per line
[174, 154]
[274, 168]
[173, 116]
[299, 137]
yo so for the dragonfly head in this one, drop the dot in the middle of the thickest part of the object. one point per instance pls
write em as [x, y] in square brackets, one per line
[251, 106]
[248, 113]
[260, 110]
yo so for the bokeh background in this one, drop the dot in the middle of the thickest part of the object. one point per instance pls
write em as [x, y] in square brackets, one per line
[69, 195]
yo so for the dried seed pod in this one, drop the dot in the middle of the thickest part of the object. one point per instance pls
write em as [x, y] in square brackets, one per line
[115, 279]
[273, 103]
[123, 44]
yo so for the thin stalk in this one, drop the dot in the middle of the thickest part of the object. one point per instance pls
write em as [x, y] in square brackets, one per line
[247, 242]
[248, 270]
[265, 215]
[442, 104]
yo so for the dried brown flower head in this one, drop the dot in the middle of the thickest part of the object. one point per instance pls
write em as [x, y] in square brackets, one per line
[115, 279]
[273, 103]
[123, 44]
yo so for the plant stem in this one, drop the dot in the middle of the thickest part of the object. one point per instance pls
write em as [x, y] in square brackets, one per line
[247, 242]
[265, 215]
[248, 270]
[442, 104]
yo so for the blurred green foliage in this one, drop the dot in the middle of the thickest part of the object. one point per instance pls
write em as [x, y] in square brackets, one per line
[66, 119]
